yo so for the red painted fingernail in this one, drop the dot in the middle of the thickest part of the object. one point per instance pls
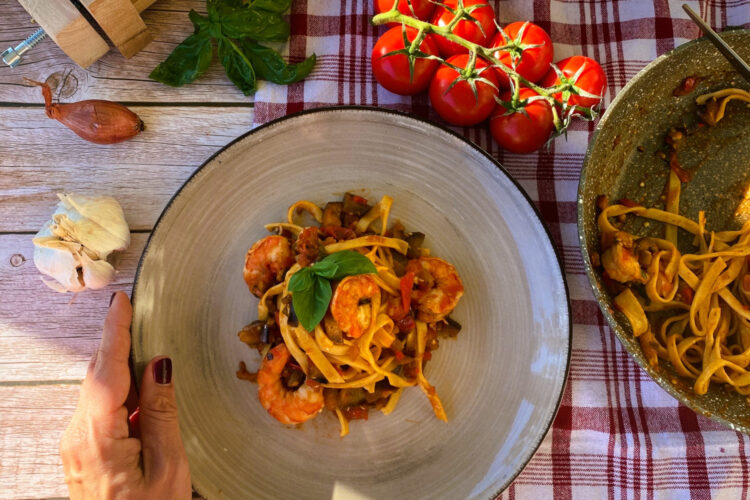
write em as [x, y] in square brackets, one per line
[135, 423]
[163, 371]
[112, 299]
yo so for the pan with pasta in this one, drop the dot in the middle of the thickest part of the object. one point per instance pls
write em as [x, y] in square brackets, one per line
[350, 311]
[685, 291]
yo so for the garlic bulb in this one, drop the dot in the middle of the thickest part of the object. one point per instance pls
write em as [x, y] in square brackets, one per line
[73, 247]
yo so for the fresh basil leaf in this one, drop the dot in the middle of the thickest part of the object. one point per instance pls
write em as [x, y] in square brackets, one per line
[232, 3]
[188, 61]
[242, 22]
[237, 67]
[278, 6]
[349, 263]
[325, 269]
[199, 21]
[312, 304]
[217, 7]
[301, 280]
[269, 65]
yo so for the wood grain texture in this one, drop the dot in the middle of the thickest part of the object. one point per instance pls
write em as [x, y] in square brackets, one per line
[46, 158]
[34, 418]
[48, 335]
[141, 5]
[48, 338]
[120, 21]
[112, 77]
[68, 28]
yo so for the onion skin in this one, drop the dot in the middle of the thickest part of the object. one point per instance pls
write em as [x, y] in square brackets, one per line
[95, 120]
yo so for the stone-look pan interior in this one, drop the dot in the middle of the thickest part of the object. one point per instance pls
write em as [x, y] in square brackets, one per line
[621, 162]
[500, 381]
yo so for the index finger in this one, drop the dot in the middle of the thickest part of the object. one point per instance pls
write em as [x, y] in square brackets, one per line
[107, 382]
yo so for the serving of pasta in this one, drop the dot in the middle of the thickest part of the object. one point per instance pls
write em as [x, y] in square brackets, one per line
[350, 310]
[690, 308]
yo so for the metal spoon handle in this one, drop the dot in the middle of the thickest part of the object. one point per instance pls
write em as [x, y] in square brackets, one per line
[720, 44]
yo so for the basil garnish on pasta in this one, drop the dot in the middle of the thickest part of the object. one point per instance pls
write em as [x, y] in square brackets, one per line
[311, 287]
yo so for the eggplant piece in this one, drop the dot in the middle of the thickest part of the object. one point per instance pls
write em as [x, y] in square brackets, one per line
[292, 318]
[332, 214]
[354, 204]
[264, 333]
[415, 241]
[350, 220]
[333, 331]
[350, 397]
[383, 389]
[316, 375]
[253, 334]
[449, 327]
[399, 263]
[330, 398]
[398, 231]
[296, 379]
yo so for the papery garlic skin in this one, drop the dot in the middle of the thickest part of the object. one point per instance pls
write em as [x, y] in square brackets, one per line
[97, 223]
[73, 247]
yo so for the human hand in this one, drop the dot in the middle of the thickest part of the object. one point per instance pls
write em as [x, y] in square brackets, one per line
[99, 458]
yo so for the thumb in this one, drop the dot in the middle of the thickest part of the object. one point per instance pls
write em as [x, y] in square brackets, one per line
[160, 434]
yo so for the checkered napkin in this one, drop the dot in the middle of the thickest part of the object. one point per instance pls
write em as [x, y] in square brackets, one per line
[617, 434]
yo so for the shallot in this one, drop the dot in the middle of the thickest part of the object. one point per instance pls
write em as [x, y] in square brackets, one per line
[95, 120]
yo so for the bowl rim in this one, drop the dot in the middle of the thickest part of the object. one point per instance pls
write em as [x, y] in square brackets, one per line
[377, 110]
[599, 295]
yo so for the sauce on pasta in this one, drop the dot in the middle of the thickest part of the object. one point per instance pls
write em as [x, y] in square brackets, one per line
[691, 309]
[379, 329]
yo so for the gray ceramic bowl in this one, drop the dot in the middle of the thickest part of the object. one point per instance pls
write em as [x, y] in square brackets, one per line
[500, 381]
[621, 162]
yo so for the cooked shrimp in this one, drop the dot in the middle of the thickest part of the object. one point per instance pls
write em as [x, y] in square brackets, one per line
[620, 262]
[286, 406]
[266, 262]
[438, 288]
[345, 303]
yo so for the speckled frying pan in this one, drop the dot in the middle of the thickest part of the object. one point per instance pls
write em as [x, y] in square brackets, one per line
[622, 161]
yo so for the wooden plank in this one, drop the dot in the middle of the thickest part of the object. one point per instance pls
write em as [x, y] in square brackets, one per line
[121, 23]
[34, 418]
[112, 77]
[68, 28]
[143, 173]
[48, 335]
[141, 5]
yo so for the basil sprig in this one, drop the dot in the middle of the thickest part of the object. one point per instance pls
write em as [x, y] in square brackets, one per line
[236, 26]
[311, 286]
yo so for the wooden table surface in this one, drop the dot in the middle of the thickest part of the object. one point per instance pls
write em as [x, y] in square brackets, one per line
[47, 338]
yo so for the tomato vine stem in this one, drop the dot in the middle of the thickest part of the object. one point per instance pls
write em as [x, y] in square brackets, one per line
[549, 94]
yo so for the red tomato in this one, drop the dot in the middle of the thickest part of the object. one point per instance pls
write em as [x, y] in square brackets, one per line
[518, 132]
[356, 412]
[392, 72]
[591, 79]
[458, 105]
[466, 29]
[406, 284]
[422, 8]
[534, 62]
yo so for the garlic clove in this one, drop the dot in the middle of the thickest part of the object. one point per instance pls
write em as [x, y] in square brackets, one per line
[98, 223]
[59, 260]
[96, 273]
[54, 285]
[73, 247]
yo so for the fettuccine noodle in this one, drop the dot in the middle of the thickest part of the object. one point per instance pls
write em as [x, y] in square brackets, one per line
[691, 309]
[399, 321]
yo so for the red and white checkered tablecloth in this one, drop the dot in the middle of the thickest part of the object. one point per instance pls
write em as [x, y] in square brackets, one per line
[617, 433]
